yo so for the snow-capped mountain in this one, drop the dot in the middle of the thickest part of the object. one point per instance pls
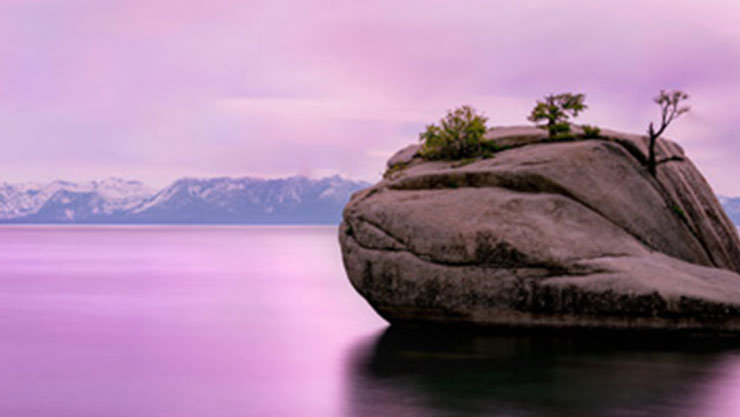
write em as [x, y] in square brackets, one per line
[294, 200]
[64, 199]
[732, 208]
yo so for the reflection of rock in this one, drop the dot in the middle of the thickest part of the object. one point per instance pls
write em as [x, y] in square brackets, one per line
[432, 373]
[546, 234]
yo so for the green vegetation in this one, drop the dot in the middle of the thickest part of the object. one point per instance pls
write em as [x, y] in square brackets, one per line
[679, 211]
[591, 132]
[395, 169]
[555, 111]
[459, 135]
[670, 109]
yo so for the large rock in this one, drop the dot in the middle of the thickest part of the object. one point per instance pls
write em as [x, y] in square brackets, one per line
[546, 234]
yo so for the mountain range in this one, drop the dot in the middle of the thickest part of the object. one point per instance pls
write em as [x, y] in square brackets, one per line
[292, 200]
[732, 208]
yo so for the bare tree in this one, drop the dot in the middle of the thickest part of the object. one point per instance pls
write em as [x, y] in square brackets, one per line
[669, 110]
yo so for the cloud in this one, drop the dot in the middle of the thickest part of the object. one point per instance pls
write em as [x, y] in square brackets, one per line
[156, 89]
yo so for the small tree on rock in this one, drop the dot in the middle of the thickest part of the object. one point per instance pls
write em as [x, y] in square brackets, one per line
[670, 110]
[555, 111]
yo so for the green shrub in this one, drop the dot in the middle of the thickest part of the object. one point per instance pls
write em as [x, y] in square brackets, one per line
[560, 131]
[396, 168]
[591, 132]
[489, 148]
[459, 135]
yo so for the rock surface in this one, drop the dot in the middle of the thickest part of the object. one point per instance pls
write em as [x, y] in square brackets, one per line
[546, 233]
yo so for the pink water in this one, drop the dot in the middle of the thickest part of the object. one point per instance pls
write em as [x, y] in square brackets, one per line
[168, 321]
[261, 321]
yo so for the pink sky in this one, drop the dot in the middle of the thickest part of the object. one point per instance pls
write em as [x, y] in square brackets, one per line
[155, 90]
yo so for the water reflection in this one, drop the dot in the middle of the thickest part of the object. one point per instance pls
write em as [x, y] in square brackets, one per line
[422, 372]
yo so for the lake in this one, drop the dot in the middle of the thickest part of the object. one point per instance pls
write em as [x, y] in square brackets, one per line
[261, 321]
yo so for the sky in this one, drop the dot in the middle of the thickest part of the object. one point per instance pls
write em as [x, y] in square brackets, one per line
[155, 90]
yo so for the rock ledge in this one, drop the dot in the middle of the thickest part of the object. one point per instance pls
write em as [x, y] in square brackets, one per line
[546, 234]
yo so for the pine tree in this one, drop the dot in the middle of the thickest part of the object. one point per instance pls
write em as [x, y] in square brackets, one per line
[556, 111]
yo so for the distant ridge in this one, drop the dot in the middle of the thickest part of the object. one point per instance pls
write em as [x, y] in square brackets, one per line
[732, 208]
[292, 200]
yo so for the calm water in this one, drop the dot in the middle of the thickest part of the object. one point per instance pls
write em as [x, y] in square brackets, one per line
[249, 321]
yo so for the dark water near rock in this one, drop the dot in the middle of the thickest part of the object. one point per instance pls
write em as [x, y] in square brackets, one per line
[249, 321]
